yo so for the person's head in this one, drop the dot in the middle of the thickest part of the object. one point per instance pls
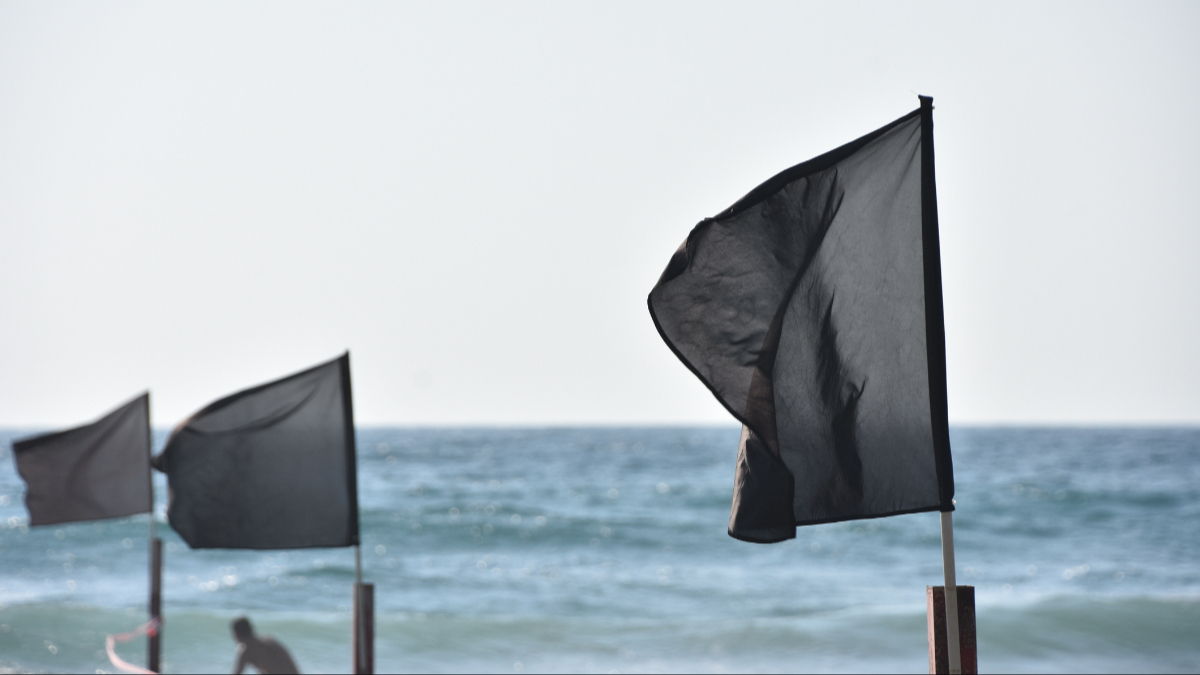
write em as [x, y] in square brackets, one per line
[241, 629]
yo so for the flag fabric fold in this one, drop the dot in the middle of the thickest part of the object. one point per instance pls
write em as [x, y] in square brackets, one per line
[270, 467]
[812, 309]
[100, 470]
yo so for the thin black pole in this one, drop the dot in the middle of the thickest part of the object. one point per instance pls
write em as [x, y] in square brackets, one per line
[154, 635]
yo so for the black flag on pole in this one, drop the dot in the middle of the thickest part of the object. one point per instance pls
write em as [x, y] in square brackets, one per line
[812, 308]
[101, 470]
[269, 467]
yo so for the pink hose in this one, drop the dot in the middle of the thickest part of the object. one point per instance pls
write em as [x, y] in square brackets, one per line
[148, 628]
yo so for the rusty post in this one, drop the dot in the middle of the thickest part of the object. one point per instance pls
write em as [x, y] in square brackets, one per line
[364, 628]
[935, 600]
[154, 635]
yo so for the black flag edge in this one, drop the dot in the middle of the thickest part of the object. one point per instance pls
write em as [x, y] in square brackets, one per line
[231, 398]
[351, 444]
[935, 320]
[22, 444]
[934, 312]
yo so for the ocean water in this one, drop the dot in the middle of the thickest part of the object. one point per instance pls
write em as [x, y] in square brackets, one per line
[604, 550]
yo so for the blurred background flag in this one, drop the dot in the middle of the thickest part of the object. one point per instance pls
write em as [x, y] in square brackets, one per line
[101, 470]
[812, 308]
[269, 467]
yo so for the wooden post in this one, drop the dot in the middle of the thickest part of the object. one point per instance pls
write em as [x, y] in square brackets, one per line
[154, 635]
[935, 601]
[364, 628]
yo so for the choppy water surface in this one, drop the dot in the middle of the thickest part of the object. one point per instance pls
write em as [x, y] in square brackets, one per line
[600, 550]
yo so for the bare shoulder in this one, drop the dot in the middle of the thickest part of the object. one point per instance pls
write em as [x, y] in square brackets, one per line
[272, 657]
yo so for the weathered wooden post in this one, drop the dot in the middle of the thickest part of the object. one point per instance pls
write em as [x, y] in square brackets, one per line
[364, 628]
[154, 633]
[935, 600]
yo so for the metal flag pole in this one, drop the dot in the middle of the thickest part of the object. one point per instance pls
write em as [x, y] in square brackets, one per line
[364, 594]
[359, 645]
[357, 564]
[953, 651]
[154, 634]
[364, 620]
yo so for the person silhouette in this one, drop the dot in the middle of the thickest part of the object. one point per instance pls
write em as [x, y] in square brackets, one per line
[264, 653]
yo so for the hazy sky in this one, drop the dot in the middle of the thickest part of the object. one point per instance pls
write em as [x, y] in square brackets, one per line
[475, 198]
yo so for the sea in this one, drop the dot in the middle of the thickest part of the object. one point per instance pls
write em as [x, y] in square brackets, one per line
[605, 550]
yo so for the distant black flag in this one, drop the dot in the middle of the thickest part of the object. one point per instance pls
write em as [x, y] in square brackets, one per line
[812, 308]
[269, 467]
[101, 470]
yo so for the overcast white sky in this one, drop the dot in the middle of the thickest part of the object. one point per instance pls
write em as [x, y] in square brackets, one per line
[475, 198]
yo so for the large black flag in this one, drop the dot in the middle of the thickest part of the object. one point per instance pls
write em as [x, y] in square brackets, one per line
[101, 470]
[268, 467]
[812, 308]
